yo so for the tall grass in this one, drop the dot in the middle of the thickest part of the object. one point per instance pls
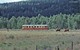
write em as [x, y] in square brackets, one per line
[43, 40]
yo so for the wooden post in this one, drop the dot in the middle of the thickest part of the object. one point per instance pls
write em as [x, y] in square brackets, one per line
[71, 45]
[57, 48]
[36, 47]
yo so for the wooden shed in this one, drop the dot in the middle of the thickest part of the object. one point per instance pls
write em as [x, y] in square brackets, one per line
[34, 27]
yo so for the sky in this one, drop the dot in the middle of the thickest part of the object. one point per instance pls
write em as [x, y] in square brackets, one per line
[5, 1]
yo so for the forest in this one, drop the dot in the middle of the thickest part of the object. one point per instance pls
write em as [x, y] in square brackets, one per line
[56, 21]
[54, 13]
[43, 7]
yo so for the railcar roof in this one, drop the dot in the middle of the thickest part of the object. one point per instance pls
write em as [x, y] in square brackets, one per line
[34, 25]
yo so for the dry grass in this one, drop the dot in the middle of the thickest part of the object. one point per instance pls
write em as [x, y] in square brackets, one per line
[27, 40]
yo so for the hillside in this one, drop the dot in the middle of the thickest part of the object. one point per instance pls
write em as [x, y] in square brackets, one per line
[33, 8]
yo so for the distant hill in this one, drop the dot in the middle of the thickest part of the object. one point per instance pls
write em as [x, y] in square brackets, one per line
[43, 7]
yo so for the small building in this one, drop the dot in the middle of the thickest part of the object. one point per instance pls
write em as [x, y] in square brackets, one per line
[34, 27]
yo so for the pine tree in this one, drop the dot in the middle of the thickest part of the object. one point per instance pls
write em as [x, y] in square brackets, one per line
[20, 22]
[13, 22]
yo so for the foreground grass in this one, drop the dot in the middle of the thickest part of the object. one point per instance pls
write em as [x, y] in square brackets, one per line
[28, 40]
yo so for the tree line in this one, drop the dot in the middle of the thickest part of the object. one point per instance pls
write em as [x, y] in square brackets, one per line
[56, 21]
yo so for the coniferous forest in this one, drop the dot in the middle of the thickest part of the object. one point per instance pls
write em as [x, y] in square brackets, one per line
[43, 7]
[55, 13]
[55, 21]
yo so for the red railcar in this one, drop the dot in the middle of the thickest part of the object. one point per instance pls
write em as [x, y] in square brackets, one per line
[34, 27]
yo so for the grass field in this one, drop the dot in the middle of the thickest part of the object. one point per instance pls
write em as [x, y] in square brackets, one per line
[38, 40]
